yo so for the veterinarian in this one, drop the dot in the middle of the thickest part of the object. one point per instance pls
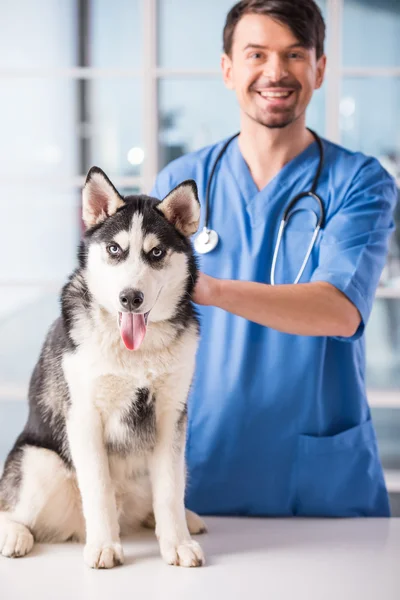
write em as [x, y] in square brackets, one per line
[278, 421]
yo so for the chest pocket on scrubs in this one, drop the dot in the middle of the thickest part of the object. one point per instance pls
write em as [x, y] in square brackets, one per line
[294, 245]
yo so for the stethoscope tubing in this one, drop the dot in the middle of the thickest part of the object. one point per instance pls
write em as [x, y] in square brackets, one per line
[207, 240]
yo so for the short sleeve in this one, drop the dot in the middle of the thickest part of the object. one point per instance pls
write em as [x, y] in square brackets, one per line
[355, 239]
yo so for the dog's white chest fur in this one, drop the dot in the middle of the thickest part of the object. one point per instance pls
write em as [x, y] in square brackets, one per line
[131, 389]
[127, 408]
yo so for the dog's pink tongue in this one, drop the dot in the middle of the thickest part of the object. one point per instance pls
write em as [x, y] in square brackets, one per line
[133, 329]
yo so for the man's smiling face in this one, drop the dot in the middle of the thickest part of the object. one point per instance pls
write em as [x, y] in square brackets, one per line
[272, 73]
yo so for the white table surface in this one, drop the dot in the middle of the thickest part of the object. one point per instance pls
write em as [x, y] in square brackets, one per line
[271, 559]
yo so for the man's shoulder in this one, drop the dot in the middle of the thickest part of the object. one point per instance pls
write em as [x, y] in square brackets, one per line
[354, 163]
[185, 167]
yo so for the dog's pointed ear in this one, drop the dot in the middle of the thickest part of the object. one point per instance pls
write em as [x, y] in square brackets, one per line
[182, 207]
[100, 199]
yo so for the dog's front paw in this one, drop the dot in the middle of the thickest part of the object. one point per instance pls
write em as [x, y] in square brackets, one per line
[103, 556]
[186, 554]
[15, 540]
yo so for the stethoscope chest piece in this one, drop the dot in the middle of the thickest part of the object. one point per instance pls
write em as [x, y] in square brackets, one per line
[206, 241]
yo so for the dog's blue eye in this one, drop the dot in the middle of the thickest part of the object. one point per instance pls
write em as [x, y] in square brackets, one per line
[157, 252]
[113, 249]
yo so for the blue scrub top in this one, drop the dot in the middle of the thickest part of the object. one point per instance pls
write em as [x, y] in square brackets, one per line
[279, 424]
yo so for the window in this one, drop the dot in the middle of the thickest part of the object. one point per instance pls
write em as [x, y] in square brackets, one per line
[369, 120]
[88, 82]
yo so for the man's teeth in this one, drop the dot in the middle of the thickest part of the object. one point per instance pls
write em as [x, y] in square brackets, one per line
[275, 94]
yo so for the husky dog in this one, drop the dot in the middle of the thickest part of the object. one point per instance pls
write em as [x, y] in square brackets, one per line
[103, 448]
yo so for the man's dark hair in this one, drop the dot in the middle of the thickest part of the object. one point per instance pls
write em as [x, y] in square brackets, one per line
[303, 17]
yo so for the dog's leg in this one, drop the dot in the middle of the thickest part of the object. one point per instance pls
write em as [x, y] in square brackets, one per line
[44, 502]
[167, 472]
[103, 549]
[194, 522]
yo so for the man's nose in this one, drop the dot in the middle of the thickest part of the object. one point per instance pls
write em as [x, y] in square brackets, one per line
[131, 299]
[275, 68]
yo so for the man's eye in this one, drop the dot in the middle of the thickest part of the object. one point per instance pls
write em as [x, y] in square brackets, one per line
[256, 55]
[157, 252]
[295, 55]
[113, 250]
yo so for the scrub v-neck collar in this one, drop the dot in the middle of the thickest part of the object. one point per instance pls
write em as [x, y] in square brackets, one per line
[284, 179]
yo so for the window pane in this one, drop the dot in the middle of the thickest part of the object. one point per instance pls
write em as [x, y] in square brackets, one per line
[370, 118]
[48, 224]
[40, 33]
[45, 33]
[191, 32]
[32, 272]
[23, 327]
[116, 33]
[383, 345]
[115, 130]
[45, 132]
[187, 122]
[371, 33]
[38, 123]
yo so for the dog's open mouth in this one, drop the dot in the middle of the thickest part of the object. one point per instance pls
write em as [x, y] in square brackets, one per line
[132, 327]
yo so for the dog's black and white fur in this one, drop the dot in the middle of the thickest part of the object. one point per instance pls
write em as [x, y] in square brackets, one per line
[103, 448]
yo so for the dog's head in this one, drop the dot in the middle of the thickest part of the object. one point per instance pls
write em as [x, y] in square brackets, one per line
[137, 256]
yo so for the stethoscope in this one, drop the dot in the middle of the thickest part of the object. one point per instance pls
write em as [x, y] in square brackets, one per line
[207, 240]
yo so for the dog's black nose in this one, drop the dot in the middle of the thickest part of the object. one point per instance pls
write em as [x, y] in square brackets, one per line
[131, 299]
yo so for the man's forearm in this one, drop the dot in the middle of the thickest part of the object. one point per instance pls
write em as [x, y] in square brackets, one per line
[316, 308]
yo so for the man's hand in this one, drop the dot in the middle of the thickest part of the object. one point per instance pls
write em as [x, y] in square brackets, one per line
[207, 290]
